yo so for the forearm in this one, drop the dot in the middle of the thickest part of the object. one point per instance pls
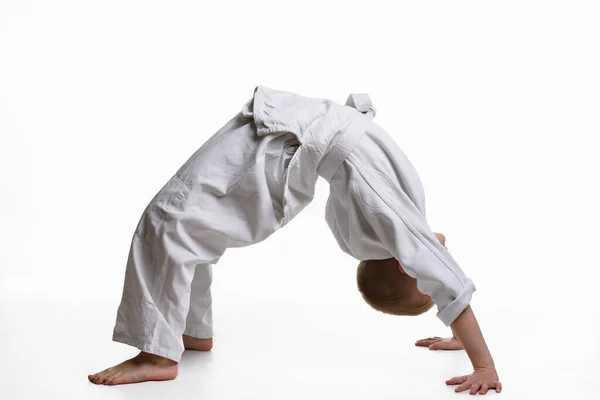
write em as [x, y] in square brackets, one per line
[467, 331]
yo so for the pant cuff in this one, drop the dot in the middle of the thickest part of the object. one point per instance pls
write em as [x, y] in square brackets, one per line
[143, 345]
[199, 333]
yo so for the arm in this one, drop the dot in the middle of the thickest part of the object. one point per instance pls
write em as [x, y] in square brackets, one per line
[401, 227]
[484, 377]
[466, 328]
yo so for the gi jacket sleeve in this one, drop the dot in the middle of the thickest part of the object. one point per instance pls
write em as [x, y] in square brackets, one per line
[404, 231]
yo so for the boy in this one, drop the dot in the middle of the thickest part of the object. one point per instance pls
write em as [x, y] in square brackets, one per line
[250, 179]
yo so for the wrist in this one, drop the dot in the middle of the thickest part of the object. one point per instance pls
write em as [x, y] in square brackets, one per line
[484, 364]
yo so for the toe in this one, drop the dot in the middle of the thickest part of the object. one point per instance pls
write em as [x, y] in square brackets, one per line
[99, 379]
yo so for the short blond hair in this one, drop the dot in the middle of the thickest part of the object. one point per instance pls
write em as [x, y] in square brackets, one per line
[388, 290]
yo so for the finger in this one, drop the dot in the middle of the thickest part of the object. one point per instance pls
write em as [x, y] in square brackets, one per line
[456, 380]
[425, 342]
[484, 388]
[439, 346]
[498, 387]
[475, 388]
[441, 238]
[429, 342]
[429, 338]
[463, 387]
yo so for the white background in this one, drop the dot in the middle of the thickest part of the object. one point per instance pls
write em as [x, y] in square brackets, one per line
[495, 102]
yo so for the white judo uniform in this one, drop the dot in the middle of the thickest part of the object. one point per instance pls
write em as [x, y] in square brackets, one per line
[251, 178]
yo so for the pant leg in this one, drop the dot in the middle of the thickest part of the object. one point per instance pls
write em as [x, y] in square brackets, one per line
[229, 193]
[199, 322]
[158, 276]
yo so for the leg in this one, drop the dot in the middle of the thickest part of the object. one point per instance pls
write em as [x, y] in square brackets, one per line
[222, 197]
[174, 234]
[151, 315]
[198, 330]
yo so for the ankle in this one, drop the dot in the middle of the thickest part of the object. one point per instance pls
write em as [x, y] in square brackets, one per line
[192, 343]
[154, 359]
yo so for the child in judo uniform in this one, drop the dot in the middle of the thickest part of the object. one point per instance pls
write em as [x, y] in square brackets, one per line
[251, 178]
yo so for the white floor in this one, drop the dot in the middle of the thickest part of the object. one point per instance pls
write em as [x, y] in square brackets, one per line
[288, 351]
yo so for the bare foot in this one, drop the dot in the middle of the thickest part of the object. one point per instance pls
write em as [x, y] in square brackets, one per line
[192, 343]
[141, 368]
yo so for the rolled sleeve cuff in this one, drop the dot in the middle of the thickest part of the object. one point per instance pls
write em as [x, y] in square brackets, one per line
[454, 309]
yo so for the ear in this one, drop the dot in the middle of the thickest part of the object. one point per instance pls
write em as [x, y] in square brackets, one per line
[400, 267]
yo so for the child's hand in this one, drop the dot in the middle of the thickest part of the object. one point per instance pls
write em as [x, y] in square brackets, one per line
[438, 343]
[479, 381]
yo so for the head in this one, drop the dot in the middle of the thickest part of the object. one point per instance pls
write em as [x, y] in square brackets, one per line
[387, 288]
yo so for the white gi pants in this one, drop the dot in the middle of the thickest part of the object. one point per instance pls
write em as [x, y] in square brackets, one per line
[232, 192]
